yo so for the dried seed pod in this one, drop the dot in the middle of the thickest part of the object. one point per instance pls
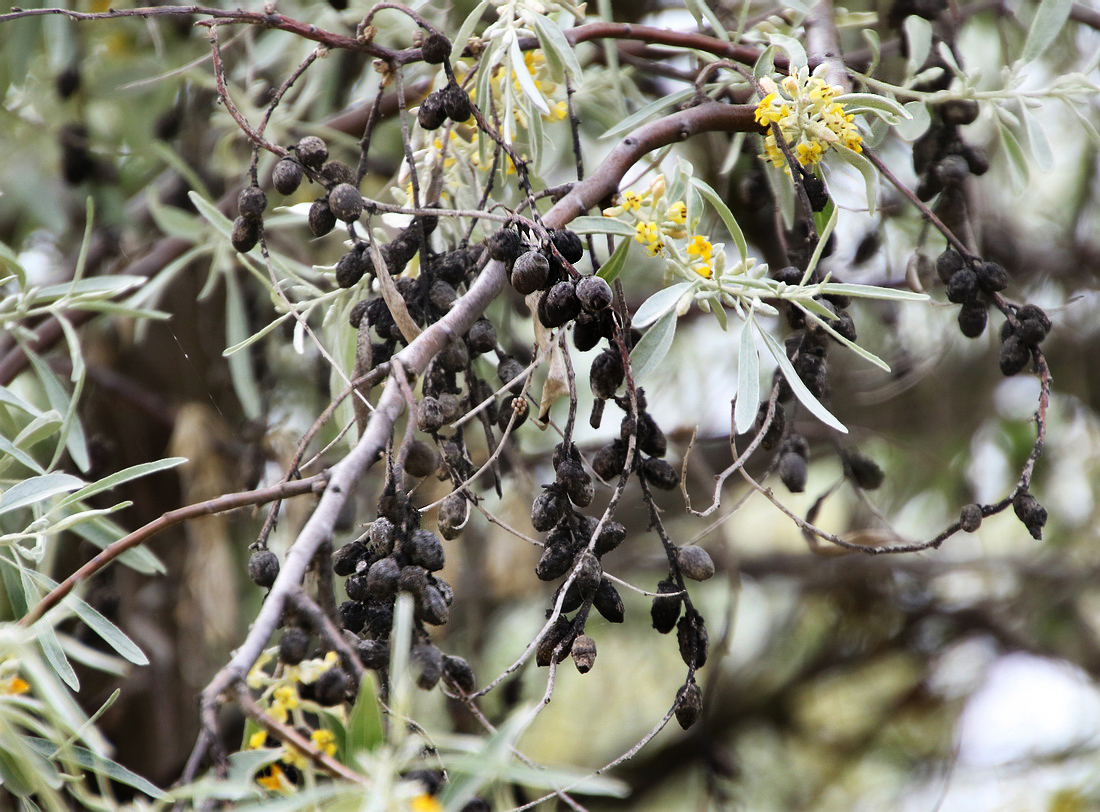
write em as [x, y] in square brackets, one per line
[691, 635]
[584, 653]
[695, 563]
[976, 158]
[312, 151]
[356, 588]
[665, 611]
[568, 244]
[510, 372]
[458, 672]
[589, 573]
[970, 518]
[481, 337]
[973, 316]
[352, 616]
[612, 534]
[246, 233]
[345, 202]
[689, 705]
[331, 687]
[607, 374]
[431, 607]
[455, 357]
[453, 514]
[456, 103]
[1035, 324]
[286, 177]
[1014, 355]
[336, 173]
[576, 482]
[429, 415]
[442, 296]
[354, 265]
[321, 218]
[963, 285]
[610, 460]
[559, 305]
[436, 49]
[991, 277]
[373, 654]
[865, 472]
[506, 245]
[561, 633]
[555, 561]
[792, 471]
[947, 264]
[427, 664]
[378, 620]
[659, 473]
[345, 560]
[263, 568]
[594, 293]
[251, 202]
[421, 459]
[1031, 513]
[608, 603]
[413, 579]
[452, 407]
[424, 549]
[382, 578]
[529, 272]
[548, 508]
[651, 440]
[432, 114]
[382, 535]
[293, 646]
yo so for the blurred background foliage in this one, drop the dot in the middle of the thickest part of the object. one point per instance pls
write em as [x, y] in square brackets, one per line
[963, 676]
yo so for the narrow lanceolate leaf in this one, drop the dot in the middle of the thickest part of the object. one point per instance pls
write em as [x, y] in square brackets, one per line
[724, 212]
[56, 657]
[125, 475]
[1046, 24]
[748, 380]
[865, 168]
[364, 728]
[37, 489]
[871, 292]
[112, 635]
[804, 395]
[212, 214]
[523, 76]
[643, 114]
[648, 354]
[614, 265]
[557, 48]
[660, 303]
[601, 225]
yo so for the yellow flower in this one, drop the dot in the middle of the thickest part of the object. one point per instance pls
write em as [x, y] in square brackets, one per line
[286, 695]
[808, 153]
[276, 781]
[257, 740]
[649, 235]
[325, 741]
[425, 803]
[677, 212]
[701, 247]
[13, 686]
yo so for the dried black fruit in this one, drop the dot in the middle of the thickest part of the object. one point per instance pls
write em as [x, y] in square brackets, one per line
[429, 415]
[505, 245]
[458, 673]
[792, 471]
[413, 579]
[970, 518]
[947, 264]
[263, 568]
[379, 619]
[246, 233]
[612, 534]
[589, 573]
[665, 611]
[660, 474]
[775, 428]
[952, 170]
[455, 357]
[973, 316]
[1034, 324]
[510, 371]
[594, 293]
[976, 158]
[432, 114]
[568, 244]
[962, 286]
[321, 218]
[352, 616]
[584, 653]
[1014, 355]
[286, 177]
[456, 103]
[481, 337]
[293, 646]
[312, 151]
[561, 633]
[559, 305]
[689, 705]
[251, 202]
[815, 191]
[991, 277]
[691, 635]
[695, 563]
[382, 535]
[382, 578]
[610, 460]
[548, 508]
[345, 560]
[555, 561]
[959, 111]
[431, 607]
[331, 687]
[1031, 513]
[608, 603]
[356, 588]
[421, 459]
[435, 49]
[529, 272]
[373, 654]
[576, 481]
[354, 265]
[425, 549]
[345, 202]
[453, 513]
[606, 375]
[587, 331]
[865, 472]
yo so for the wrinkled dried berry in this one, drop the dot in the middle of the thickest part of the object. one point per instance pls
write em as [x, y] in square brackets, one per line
[584, 653]
[695, 563]
[608, 603]
[991, 277]
[775, 428]
[352, 616]
[610, 460]
[458, 673]
[354, 265]
[959, 111]
[973, 316]
[373, 654]
[505, 245]
[331, 687]
[970, 518]
[952, 170]
[510, 372]
[792, 471]
[251, 202]
[1031, 513]
[612, 534]
[607, 374]
[1014, 355]
[865, 472]
[587, 331]
[665, 610]
[691, 636]
[529, 272]
[568, 244]
[555, 561]
[559, 305]
[356, 588]
[594, 293]
[589, 573]
[456, 103]
[548, 508]
[263, 568]
[382, 535]
[312, 151]
[962, 286]
[286, 177]
[336, 173]
[424, 549]
[321, 218]
[421, 459]
[435, 49]
[246, 233]
[293, 646]
[453, 514]
[432, 114]
[660, 474]
[576, 482]
[1034, 324]
[481, 337]
[947, 264]
[429, 415]
[431, 606]
[689, 705]
[382, 578]
[561, 633]
[345, 202]
[345, 560]
[427, 664]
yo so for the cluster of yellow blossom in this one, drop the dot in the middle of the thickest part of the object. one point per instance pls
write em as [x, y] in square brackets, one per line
[805, 108]
[280, 693]
[657, 220]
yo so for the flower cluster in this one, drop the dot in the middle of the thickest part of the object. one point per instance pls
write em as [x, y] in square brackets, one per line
[660, 223]
[805, 108]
